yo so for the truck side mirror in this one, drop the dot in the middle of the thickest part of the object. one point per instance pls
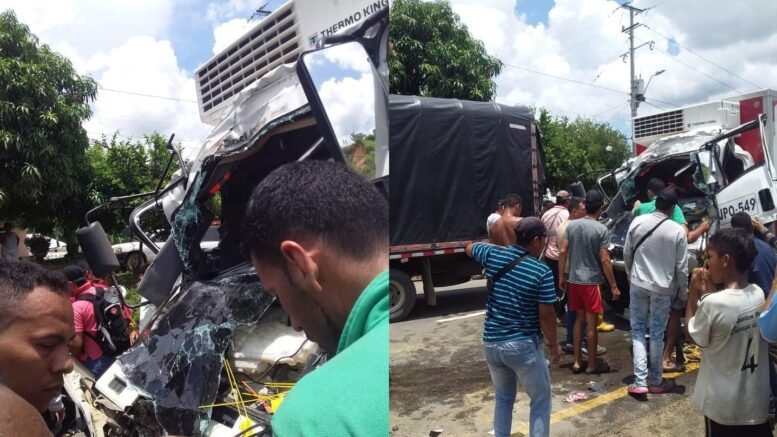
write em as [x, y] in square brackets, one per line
[97, 249]
[349, 103]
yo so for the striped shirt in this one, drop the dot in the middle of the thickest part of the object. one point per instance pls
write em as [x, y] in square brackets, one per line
[512, 310]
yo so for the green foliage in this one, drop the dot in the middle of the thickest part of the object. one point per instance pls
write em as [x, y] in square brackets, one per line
[579, 147]
[38, 245]
[120, 168]
[43, 100]
[360, 155]
[432, 54]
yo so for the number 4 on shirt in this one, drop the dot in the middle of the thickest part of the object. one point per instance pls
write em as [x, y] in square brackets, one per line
[752, 365]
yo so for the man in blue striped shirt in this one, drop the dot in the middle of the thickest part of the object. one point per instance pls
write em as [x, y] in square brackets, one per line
[520, 309]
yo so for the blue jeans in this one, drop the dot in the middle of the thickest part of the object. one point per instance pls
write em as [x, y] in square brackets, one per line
[521, 361]
[99, 366]
[648, 310]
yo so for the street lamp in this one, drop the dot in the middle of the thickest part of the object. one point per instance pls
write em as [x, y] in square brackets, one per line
[657, 73]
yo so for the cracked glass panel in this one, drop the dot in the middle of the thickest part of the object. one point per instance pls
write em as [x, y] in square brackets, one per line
[178, 366]
[187, 220]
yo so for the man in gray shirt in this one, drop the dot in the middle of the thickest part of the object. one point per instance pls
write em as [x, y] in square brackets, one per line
[656, 258]
[589, 263]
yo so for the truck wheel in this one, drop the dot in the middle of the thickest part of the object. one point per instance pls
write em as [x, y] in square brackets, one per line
[401, 295]
[136, 262]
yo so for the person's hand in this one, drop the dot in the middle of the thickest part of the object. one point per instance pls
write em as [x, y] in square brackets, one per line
[562, 283]
[759, 226]
[705, 225]
[555, 352]
[133, 337]
[616, 293]
[700, 282]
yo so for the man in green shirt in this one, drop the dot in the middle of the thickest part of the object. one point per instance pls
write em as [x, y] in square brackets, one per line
[317, 234]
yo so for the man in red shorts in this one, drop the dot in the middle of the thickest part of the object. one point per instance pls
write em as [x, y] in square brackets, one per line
[589, 263]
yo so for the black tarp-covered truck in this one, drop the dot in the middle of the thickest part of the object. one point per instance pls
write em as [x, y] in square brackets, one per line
[451, 162]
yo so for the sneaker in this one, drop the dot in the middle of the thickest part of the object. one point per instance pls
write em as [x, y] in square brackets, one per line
[568, 348]
[638, 390]
[605, 327]
[600, 350]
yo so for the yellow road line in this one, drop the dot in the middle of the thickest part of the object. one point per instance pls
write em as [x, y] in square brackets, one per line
[603, 399]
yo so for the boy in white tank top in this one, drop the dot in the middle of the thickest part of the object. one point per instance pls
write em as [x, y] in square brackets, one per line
[732, 388]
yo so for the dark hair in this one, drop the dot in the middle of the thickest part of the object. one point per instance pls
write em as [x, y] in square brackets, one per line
[742, 220]
[656, 185]
[548, 203]
[512, 200]
[666, 200]
[316, 199]
[18, 279]
[737, 244]
[574, 202]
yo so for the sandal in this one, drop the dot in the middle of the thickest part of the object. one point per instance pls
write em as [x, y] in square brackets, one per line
[601, 367]
[667, 386]
[579, 370]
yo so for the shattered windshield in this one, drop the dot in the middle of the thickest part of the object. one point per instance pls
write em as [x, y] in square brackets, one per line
[179, 363]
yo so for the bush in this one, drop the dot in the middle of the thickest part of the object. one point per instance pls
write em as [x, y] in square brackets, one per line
[38, 245]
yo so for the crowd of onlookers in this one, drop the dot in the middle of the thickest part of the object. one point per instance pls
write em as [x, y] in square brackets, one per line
[550, 271]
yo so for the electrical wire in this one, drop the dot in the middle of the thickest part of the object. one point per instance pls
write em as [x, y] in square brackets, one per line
[269, 369]
[132, 93]
[702, 57]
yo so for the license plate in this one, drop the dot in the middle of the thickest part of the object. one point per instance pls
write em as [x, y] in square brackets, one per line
[747, 204]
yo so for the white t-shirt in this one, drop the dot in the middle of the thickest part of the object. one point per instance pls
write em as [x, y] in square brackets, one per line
[733, 383]
[491, 220]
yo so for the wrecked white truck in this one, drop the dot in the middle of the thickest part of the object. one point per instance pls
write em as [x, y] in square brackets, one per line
[713, 176]
[214, 338]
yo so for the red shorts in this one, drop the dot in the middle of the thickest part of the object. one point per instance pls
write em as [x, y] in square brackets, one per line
[585, 297]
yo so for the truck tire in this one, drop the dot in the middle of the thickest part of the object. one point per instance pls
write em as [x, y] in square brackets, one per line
[401, 295]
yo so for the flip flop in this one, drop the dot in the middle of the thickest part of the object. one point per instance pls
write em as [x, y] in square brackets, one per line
[667, 386]
[676, 368]
[580, 369]
[601, 367]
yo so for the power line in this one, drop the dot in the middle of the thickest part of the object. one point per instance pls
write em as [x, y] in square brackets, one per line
[698, 71]
[702, 57]
[567, 79]
[147, 95]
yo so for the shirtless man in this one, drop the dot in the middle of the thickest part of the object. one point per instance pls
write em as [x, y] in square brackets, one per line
[502, 233]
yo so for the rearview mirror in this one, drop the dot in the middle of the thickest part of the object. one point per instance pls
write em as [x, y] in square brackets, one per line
[348, 100]
[97, 249]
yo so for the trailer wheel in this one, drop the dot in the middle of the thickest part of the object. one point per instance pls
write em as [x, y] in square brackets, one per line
[401, 295]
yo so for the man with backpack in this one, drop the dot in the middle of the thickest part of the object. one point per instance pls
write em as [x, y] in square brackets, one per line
[656, 258]
[520, 309]
[101, 330]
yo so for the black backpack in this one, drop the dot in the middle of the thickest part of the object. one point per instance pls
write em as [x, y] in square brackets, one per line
[112, 329]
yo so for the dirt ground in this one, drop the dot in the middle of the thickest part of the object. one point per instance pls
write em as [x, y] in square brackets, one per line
[440, 381]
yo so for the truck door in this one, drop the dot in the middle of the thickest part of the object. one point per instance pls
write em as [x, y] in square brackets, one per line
[754, 191]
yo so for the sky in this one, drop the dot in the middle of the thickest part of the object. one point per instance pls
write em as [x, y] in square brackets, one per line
[719, 50]
[564, 55]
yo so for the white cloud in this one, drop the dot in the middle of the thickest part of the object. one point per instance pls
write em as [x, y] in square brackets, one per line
[225, 34]
[349, 103]
[582, 40]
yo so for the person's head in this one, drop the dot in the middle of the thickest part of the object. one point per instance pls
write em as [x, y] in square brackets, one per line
[731, 252]
[531, 234]
[562, 198]
[317, 234]
[513, 204]
[546, 205]
[594, 201]
[742, 220]
[36, 325]
[654, 186]
[576, 208]
[76, 277]
[666, 200]
[500, 207]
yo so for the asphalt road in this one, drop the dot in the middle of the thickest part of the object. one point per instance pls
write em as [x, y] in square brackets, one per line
[440, 382]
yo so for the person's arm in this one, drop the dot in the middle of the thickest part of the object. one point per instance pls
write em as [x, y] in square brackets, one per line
[763, 233]
[604, 258]
[698, 232]
[562, 264]
[76, 345]
[546, 300]
[681, 266]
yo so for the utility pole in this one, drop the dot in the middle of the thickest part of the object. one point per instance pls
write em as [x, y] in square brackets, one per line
[632, 79]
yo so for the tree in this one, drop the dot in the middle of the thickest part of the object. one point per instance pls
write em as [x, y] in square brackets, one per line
[579, 148]
[121, 168]
[360, 154]
[43, 101]
[432, 54]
